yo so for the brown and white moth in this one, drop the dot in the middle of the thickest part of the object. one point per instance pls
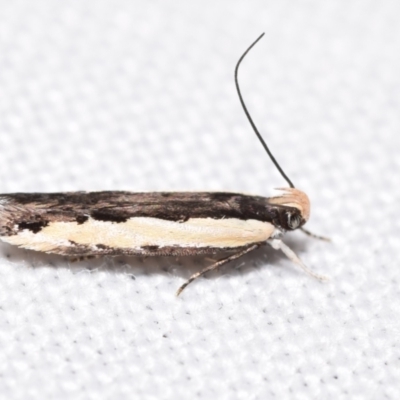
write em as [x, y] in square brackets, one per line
[85, 224]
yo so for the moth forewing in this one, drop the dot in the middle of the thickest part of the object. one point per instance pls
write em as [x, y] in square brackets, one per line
[112, 223]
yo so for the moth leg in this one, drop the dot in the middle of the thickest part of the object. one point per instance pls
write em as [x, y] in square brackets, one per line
[307, 232]
[216, 265]
[292, 256]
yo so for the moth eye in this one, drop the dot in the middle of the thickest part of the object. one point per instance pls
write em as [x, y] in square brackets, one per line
[293, 221]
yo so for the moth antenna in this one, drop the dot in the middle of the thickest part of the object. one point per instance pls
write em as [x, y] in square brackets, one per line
[250, 119]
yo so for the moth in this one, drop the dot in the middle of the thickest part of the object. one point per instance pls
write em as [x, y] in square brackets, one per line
[110, 223]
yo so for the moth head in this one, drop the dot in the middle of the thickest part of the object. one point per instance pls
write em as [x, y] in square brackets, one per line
[295, 198]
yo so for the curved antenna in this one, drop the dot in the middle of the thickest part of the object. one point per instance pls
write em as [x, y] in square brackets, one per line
[251, 121]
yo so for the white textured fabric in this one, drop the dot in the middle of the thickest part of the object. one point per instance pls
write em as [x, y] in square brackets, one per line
[140, 96]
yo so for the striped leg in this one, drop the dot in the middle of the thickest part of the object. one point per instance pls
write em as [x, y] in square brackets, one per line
[217, 265]
[307, 232]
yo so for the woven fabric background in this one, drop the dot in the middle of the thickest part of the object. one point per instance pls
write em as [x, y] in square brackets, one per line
[137, 96]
